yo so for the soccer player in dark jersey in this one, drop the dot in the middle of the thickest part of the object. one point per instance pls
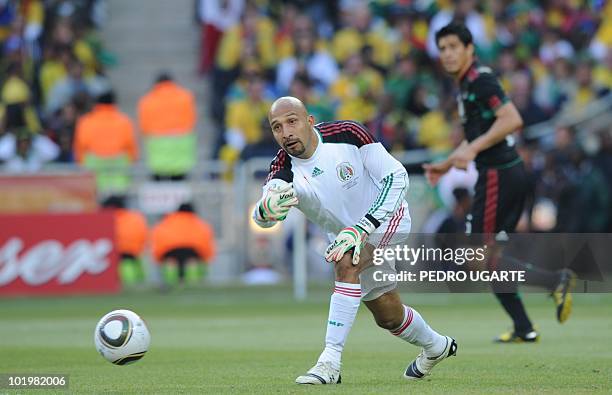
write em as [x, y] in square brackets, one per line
[489, 119]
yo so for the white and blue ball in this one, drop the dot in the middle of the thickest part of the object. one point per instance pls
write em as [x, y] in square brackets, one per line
[122, 337]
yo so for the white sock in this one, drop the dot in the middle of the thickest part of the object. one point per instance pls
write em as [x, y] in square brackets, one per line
[415, 331]
[343, 308]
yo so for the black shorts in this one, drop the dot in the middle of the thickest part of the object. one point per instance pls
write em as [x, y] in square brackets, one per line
[499, 200]
[182, 255]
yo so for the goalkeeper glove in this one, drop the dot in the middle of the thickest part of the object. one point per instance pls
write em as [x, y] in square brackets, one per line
[348, 238]
[277, 201]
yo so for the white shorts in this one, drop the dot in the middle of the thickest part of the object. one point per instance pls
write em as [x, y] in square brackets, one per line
[372, 289]
[396, 232]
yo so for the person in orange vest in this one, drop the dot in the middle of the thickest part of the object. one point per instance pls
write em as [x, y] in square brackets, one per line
[105, 142]
[167, 119]
[130, 239]
[105, 132]
[181, 243]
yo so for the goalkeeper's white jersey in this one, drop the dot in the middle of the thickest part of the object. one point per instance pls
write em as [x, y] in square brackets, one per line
[349, 176]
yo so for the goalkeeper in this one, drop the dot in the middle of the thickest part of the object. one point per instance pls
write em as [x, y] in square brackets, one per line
[349, 185]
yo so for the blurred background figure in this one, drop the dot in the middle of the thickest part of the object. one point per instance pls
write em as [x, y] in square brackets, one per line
[359, 30]
[18, 98]
[73, 86]
[317, 104]
[183, 244]
[261, 271]
[131, 235]
[455, 220]
[465, 11]
[26, 152]
[521, 95]
[216, 17]
[105, 143]
[307, 60]
[357, 89]
[244, 119]
[167, 119]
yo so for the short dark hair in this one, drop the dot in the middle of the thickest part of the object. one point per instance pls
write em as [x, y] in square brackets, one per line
[186, 207]
[455, 29]
[302, 78]
[114, 201]
[107, 97]
[163, 77]
[461, 194]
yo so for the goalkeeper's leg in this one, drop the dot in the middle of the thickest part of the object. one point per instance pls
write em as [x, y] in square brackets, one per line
[343, 308]
[383, 300]
[407, 324]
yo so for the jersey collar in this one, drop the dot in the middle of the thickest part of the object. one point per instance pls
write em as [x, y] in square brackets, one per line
[469, 70]
[314, 154]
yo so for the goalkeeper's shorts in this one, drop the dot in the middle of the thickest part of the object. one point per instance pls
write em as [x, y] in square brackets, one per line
[395, 233]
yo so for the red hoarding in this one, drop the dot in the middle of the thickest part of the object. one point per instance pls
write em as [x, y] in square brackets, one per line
[58, 254]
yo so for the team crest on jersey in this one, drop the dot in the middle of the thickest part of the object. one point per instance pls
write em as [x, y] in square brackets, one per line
[345, 171]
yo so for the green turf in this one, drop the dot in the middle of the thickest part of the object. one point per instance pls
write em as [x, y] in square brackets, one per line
[257, 341]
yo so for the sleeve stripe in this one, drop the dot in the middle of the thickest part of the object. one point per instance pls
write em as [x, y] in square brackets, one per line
[494, 102]
[384, 180]
[351, 127]
[386, 186]
[384, 197]
[383, 194]
[363, 132]
[277, 164]
[336, 131]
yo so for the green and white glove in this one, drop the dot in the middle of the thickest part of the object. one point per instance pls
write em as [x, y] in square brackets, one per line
[349, 238]
[277, 201]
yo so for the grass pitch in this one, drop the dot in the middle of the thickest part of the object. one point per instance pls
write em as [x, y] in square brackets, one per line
[257, 340]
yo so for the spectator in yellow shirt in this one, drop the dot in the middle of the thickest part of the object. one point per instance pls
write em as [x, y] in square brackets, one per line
[15, 92]
[602, 73]
[587, 90]
[357, 90]
[255, 32]
[243, 120]
[53, 68]
[362, 31]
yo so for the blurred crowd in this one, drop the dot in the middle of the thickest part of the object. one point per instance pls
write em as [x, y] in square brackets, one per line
[376, 62]
[58, 105]
[52, 63]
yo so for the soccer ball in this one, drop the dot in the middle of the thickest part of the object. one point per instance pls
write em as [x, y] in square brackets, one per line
[122, 337]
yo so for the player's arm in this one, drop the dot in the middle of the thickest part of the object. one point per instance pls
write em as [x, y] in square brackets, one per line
[507, 120]
[392, 177]
[385, 170]
[278, 193]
